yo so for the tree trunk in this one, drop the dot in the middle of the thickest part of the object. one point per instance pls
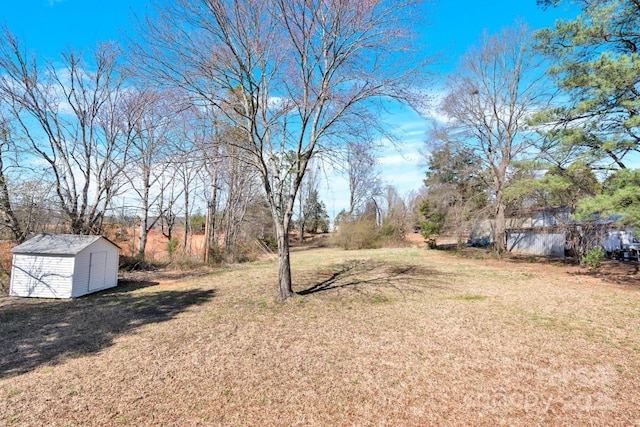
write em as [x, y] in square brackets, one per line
[142, 238]
[187, 223]
[499, 237]
[210, 237]
[285, 289]
[7, 210]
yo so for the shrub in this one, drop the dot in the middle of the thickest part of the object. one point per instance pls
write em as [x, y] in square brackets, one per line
[129, 263]
[362, 234]
[594, 256]
[270, 241]
[172, 245]
[392, 234]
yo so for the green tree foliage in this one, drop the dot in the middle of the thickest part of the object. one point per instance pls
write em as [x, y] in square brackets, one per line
[557, 187]
[433, 218]
[597, 66]
[315, 214]
[620, 195]
[197, 222]
[456, 191]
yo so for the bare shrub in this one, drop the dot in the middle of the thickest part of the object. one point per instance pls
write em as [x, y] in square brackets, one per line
[360, 234]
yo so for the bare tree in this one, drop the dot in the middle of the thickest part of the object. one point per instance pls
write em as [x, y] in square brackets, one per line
[206, 145]
[69, 114]
[212, 169]
[296, 77]
[397, 215]
[308, 190]
[7, 212]
[188, 170]
[152, 118]
[363, 175]
[241, 188]
[499, 85]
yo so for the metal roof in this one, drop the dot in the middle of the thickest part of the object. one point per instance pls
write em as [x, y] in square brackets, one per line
[57, 244]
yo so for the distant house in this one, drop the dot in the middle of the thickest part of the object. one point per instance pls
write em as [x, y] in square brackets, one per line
[538, 231]
[534, 231]
[63, 266]
[541, 241]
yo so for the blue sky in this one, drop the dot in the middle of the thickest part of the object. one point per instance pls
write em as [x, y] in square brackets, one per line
[455, 25]
[50, 27]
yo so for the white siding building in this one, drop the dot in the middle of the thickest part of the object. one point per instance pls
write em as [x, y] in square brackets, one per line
[63, 266]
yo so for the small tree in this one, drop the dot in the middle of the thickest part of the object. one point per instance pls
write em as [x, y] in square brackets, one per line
[363, 176]
[315, 214]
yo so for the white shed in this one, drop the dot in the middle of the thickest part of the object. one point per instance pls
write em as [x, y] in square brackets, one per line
[63, 266]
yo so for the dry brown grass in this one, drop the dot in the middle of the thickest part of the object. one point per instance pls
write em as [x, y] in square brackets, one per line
[383, 337]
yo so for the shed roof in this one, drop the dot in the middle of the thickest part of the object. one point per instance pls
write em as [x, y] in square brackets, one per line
[57, 244]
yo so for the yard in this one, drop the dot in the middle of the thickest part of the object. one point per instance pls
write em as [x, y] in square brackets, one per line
[384, 337]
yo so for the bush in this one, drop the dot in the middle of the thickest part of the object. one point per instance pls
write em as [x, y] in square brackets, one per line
[172, 245]
[270, 241]
[392, 234]
[594, 256]
[129, 263]
[361, 234]
[230, 255]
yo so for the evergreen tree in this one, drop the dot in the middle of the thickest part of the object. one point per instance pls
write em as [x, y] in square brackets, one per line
[597, 66]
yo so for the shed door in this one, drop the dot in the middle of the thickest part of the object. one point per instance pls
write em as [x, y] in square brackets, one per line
[97, 270]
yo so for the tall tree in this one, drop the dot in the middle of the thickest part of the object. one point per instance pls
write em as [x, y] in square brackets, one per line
[70, 115]
[208, 146]
[8, 212]
[498, 86]
[240, 190]
[153, 119]
[295, 76]
[456, 191]
[596, 63]
[189, 165]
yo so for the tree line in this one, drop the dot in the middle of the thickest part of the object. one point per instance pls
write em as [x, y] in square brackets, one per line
[542, 119]
[226, 101]
[233, 104]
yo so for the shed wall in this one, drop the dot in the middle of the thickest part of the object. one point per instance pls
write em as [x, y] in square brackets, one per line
[536, 242]
[41, 276]
[81, 277]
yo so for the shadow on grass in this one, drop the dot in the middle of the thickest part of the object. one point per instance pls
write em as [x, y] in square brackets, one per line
[625, 273]
[34, 332]
[363, 274]
[126, 286]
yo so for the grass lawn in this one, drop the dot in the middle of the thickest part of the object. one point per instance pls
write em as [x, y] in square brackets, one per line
[383, 337]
